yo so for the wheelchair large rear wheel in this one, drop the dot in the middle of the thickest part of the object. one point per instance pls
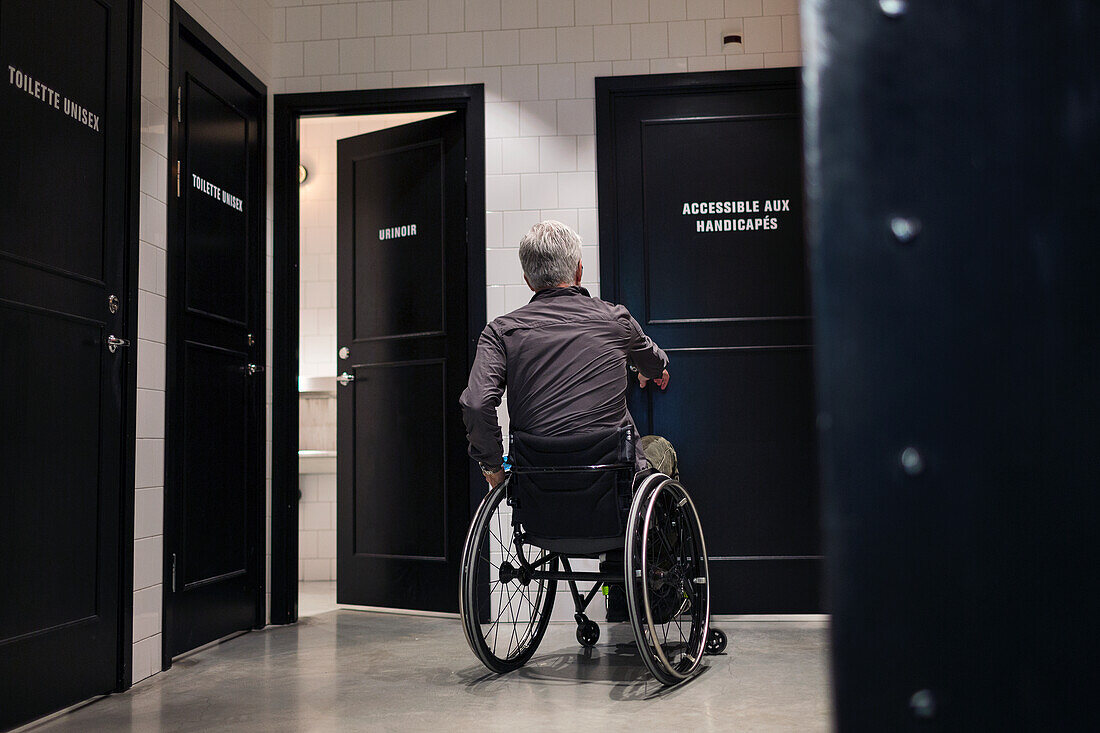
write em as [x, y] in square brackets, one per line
[667, 578]
[504, 611]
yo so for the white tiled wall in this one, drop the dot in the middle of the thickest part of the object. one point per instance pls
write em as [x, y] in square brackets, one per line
[317, 527]
[245, 28]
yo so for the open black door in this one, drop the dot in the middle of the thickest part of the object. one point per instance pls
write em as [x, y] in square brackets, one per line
[402, 500]
[701, 234]
[64, 232]
[215, 409]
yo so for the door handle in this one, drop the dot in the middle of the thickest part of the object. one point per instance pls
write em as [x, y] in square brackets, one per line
[253, 369]
[344, 378]
[113, 343]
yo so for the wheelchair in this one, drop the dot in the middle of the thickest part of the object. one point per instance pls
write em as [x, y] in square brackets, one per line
[577, 497]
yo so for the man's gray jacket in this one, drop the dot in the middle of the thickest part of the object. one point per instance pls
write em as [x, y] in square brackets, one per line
[563, 358]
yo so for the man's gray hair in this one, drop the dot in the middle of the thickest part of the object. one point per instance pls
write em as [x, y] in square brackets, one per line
[549, 254]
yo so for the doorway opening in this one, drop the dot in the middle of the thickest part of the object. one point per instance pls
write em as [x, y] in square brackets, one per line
[318, 363]
[313, 245]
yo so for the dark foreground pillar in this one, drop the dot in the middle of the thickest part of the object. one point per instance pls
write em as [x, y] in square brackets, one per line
[953, 160]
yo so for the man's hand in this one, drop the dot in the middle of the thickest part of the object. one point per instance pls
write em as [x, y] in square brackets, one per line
[661, 381]
[495, 479]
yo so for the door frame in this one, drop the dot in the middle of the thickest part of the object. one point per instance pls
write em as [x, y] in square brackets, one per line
[289, 108]
[182, 24]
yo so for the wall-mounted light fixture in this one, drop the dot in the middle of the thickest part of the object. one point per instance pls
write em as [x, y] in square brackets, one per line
[731, 38]
[303, 174]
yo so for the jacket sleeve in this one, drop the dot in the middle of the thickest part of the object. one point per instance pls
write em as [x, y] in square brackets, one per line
[642, 352]
[482, 396]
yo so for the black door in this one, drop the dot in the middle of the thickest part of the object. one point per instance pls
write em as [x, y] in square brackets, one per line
[64, 191]
[215, 437]
[702, 239]
[403, 476]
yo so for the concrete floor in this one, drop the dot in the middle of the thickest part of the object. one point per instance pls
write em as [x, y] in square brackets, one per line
[358, 671]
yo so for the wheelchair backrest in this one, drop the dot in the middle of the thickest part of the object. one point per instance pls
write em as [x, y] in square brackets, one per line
[571, 486]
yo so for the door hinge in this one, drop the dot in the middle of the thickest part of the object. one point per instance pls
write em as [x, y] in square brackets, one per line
[179, 104]
[173, 572]
[177, 179]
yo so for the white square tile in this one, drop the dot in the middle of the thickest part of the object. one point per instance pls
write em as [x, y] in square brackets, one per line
[147, 267]
[428, 52]
[494, 302]
[557, 154]
[303, 24]
[326, 543]
[555, 12]
[321, 57]
[502, 192]
[391, 54]
[154, 39]
[586, 152]
[147, 609]
[519, 14]
[446, 16]
[493, 228]
[516, 224]
[519, 82]
[303, 84]
[687, 38]
[697, 9]
[315, 515]
[538, 46]
[792, 34]
[661, 10]
[516, 296]
[586, 74]
[148, 512]
[629, 11]
[706, 63]
[410, 16]
[375, 80]
[501, 120]
[463, 49]
[649, 40]
[356, 55]
[316, 569]
[588, 222]
[575, 44]
[763, 35]
[278, 25]
[149, 463]
[374, 19]
[307, 538]
[152, 309]
[577, 190]
[612, 42]
[592, 12]
[338, 21]
[482, 15]
[502, 267]
[539, 190]
[780, 7]
[148, 561]
[151, 361]
[145, 659]
[152, 221]
[538, 118]
[519, 155]
[150, 413]
[501, 48]
[576, 117]
[154, 126]
[557, 81]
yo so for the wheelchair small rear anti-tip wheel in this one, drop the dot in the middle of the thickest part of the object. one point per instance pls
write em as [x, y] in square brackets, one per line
[504, 611]
[668, 592]
[716, 642]
[588, 632]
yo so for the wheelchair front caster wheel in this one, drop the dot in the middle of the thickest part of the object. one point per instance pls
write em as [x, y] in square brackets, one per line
[716, 642]
[588, 633]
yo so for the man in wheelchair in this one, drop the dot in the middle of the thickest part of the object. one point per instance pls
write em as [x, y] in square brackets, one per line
[580, 485]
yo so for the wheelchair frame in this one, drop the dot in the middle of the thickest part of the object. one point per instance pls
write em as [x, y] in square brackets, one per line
[645, 584]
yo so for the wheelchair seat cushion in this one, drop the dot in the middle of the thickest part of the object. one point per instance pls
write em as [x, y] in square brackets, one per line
[585, 505]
